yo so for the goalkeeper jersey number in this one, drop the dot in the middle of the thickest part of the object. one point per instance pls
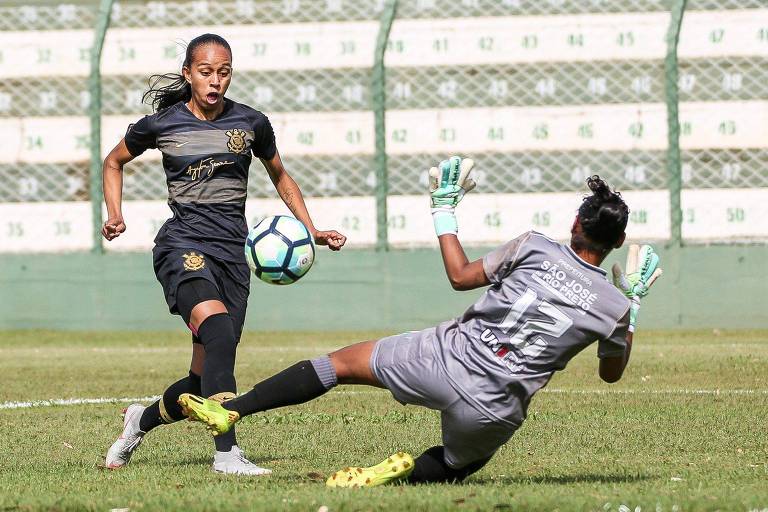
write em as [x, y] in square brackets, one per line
[545, 305]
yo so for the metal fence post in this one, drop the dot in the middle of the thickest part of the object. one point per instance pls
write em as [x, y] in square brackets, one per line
[94, 111]
[671, 92]
[379, 97]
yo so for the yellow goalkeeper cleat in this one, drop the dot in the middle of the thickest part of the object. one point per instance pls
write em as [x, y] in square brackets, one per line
[393, 469]
[217, 419]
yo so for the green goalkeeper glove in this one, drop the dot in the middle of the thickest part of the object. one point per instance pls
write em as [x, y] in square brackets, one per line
[642, 271]
[447, 186]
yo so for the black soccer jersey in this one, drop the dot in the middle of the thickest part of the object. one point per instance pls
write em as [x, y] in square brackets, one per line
[206, 166]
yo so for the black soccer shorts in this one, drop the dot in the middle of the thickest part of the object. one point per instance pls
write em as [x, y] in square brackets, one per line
[174, 266]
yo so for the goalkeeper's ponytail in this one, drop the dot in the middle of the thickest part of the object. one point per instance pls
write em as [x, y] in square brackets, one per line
[603, 216]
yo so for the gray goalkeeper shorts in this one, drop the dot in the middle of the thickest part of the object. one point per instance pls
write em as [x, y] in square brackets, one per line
[406, 364]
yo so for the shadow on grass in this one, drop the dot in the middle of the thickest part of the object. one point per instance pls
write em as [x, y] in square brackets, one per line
[561, 479]
[264, 460]
[319, 478]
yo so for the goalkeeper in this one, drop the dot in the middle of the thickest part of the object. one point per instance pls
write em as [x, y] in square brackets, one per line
[546, 302]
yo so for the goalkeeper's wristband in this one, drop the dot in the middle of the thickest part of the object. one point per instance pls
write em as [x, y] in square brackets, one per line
[634, 309]
[445, 221]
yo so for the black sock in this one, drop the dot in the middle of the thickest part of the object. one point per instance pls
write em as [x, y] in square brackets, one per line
[225, 442]
[217, 334]
[430, 467]
[167, 410]
[302, 382]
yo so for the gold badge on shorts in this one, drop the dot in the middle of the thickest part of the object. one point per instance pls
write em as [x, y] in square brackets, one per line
[236, 142]
[193, 261]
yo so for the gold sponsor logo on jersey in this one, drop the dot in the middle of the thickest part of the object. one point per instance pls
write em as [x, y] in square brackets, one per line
[193, 261]
[236, 142]
[205, 166]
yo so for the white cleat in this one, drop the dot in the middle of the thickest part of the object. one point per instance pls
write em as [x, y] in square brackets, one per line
[119, 453]
[235, 463]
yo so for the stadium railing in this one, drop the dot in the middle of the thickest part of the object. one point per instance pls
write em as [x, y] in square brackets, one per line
[366, 94]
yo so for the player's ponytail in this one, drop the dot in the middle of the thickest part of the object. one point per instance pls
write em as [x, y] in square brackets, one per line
[603, 215]
[163, 96]
[170, 88]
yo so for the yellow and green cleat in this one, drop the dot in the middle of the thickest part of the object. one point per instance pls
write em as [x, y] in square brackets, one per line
[217, 419]
[393, 469]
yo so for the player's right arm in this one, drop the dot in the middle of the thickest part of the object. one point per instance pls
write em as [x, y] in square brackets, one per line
[112, 176]
[140, 136]
[447, 187]
[462, 274]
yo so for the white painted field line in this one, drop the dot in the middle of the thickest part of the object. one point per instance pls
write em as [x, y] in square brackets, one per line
[53, 352]
[714, 392]
[695, 392]
[57, 351]
[73, 401]
[657, 391]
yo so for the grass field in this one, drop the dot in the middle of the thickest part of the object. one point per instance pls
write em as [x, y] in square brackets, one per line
[685, 429]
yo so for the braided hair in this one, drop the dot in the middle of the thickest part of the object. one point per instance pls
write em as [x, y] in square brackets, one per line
[178, 89]
[603, 217]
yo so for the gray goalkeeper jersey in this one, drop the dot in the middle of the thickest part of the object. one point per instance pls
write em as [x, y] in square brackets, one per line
[544, 306]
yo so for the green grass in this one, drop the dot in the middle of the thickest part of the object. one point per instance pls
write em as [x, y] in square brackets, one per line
[586, 445]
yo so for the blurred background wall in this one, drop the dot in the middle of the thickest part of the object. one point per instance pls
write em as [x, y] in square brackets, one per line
[666, 99]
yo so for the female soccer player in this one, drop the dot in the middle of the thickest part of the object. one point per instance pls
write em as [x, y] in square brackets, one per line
[207, 141]
[546, 302]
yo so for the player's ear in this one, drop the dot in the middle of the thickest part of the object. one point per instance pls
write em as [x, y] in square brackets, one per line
[187, 74]
[620, 241]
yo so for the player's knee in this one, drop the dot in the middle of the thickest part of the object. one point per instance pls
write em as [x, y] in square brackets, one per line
[204, 310]
[196, 300]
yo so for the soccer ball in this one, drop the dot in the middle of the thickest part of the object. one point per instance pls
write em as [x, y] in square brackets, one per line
[279, 250]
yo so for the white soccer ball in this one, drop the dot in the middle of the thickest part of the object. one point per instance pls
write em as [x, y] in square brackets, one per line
[279, 250]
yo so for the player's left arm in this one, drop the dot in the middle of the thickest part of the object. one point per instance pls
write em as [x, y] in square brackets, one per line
[642, 270]
[292, 197]
[612, 368]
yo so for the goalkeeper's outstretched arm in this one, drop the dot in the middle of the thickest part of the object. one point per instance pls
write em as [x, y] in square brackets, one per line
[642, 270]
[462, 274]
[612, 368]
[448, 184]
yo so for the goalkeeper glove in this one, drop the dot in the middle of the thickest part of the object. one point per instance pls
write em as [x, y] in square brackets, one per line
[642, 271]
[447, 186]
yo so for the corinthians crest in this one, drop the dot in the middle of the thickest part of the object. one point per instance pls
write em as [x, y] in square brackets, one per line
[236, 142]
[193, 261]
